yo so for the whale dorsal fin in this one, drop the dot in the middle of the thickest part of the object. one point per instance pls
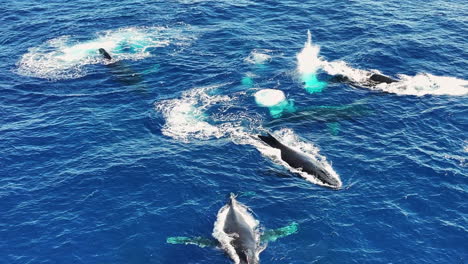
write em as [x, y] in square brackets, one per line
[105, 54]
[271, 141]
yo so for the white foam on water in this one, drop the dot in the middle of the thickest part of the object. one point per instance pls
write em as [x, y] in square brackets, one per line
[288, 137]
[226, 239]
[66, 58]
[308, 61]
[424, 84]
[418, 85]
[185, 117]
[342, 68]
[259, 56]
[269, 97]
[186, 120]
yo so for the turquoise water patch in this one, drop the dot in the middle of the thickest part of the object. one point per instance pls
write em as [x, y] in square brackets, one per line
[313, 84]
[334, 128]
[247, 81]
[277, 111]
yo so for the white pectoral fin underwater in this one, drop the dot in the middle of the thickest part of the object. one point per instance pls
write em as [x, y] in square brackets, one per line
[272, 235]
[197, 241]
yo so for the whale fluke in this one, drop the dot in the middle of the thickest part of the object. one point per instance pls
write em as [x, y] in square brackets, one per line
[105, 54]
[379, 78]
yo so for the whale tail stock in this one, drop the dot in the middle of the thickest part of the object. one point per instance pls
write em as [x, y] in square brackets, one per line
[105, 54]
[270, 140]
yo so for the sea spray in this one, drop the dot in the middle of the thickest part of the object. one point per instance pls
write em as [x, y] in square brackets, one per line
[275, 101]
[419, 85]
[308, 63]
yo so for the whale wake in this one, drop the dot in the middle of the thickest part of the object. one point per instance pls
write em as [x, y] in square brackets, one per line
[66, 57]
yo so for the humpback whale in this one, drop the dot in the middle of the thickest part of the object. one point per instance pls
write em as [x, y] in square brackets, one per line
[122, 72]
[374, 79]
[244, 237]
[237, 233]
[300, 161]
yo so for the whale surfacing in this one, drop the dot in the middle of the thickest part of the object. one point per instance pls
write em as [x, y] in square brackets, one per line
[300, 161]
[238, 234]
[379, 78]
[244, 236]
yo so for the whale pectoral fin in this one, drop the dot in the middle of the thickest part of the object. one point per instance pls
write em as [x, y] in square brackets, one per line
[198, 241]
[273, 234]
[334, 128]
[247, 194]
[151, 70]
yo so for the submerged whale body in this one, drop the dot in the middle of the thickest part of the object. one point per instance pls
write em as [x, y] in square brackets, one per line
[324, 113]
[244, 238]
[299, 160]
[122, 72]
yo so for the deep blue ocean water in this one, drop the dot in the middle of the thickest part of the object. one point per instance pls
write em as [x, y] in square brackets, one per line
[96, 167]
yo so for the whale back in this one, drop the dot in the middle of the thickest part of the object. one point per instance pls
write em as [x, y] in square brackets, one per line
[299, 160]
[379, 78]
[271, 141]
[244, 238]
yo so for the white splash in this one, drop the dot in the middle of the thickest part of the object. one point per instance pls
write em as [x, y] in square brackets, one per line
[226, 239]
[65, 58]
[185, 117]
[308, 61]
[260, 56]
[418, 85]
[424, 84]
[342, 68]
[269, 97]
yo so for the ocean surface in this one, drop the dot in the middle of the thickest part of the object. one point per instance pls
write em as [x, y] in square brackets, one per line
[103, 160]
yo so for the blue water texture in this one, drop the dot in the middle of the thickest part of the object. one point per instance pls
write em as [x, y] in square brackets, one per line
[94, 167]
